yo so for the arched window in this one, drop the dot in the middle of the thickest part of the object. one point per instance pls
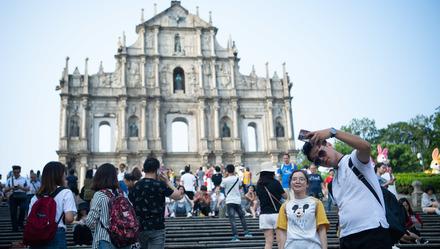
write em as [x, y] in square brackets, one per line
[105, 137]
[252, 137]
[179, 135]
[178, 80]
[133, 130]
[74, 126]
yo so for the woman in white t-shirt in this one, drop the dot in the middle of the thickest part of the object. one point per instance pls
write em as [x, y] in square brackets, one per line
[302, 222]
[52, 178]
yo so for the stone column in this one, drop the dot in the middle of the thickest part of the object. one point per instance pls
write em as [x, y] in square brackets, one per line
[269, 109]
[143, 127]
[143, 61]
[156, 73]
[122, 130]
[82, 172]
[156, 40]
[231, 68]
[202, 119]
[213, 75]
[237, 143]
[416, 195]
[142, 36]
[63, 117]
[216, 129]
[157, 125]
[200, 68]
[289, 127]
[199, 43]
[123, 66]
[83, 118]
[212, 42]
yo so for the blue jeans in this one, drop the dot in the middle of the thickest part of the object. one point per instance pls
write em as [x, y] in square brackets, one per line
[173, 207]
[152, 239]
[233, 208]
[58, 242]
[328, 205]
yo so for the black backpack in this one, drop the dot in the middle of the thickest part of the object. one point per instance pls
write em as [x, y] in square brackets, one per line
[82, 235]
[394, 211]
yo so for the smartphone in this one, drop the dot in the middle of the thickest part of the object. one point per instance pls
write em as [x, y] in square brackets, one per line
[303, 135]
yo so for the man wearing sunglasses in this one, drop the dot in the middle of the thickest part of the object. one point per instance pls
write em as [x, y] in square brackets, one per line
[362, 218]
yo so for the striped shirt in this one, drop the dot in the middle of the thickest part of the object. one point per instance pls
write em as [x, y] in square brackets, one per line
[99, 213]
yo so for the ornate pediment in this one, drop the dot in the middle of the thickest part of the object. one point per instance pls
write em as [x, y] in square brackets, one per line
[175, 16]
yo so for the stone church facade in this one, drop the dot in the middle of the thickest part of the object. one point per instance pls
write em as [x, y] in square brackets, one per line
[176, 71]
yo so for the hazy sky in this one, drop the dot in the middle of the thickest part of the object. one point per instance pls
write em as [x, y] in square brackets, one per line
[346, 59]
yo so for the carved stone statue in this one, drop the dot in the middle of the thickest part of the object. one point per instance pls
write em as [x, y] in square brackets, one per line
[177, 46]
[74, 127]
[178, 82]
[279, 130]
[133, 129]
[226, 132]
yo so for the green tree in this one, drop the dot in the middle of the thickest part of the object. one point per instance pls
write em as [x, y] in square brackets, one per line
[364, 127]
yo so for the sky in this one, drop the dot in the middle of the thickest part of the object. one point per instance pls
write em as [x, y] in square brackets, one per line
[346, 59]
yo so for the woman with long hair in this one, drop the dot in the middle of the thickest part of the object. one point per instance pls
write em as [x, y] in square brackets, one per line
[105, 179]
[413, 224]
[302, 222]
[251, 197]
[269, 192]
[53, 177]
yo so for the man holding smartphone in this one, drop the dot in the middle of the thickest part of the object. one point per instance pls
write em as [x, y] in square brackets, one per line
[19, 186]
[362, 218]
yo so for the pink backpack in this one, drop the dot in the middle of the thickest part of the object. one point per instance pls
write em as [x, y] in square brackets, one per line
[123, 225]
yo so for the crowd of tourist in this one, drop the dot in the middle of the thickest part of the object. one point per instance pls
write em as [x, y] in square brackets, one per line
[289, 202]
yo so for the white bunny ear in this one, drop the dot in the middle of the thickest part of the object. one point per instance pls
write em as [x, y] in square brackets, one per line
[435, 154]
[379, 149]
[385, 152]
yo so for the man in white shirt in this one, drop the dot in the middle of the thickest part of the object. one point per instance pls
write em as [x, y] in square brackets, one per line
[231, 185]
[18, 185]
[34, 186]
[362, 218]
[188, 181]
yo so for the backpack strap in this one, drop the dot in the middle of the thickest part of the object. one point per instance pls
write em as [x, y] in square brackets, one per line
[271, 197]
[55, 193]
[362, 178]
[235, 183]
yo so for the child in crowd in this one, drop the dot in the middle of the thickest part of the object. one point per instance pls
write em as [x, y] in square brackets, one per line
[217, 202]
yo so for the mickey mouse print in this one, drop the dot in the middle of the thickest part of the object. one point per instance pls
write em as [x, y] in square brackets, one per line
[301, 218]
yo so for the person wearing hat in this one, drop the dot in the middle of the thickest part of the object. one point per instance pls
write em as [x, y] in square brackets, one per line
[269, 192]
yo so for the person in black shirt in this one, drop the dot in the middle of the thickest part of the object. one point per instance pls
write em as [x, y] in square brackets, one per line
[217, 177]
[269, 192]
[148, 198]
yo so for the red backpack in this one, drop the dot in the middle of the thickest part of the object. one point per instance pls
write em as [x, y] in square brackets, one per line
[41, 225]
[123, 225]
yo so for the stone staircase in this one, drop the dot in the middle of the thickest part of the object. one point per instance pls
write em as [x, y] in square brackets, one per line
[204, 232]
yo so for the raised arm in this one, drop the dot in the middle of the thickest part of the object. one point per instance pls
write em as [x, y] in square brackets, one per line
[363, 147]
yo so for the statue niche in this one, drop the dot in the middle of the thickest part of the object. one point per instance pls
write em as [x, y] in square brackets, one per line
[74, 126]
[226, 131]
[133, 130]
[177, 45]
[279, 129]
[178, 80]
